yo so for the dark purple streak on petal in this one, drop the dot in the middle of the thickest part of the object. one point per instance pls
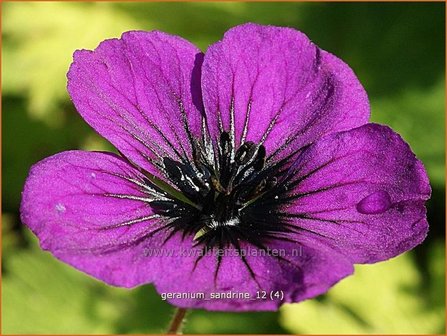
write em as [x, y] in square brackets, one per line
[273, 86]
[307, 268]
[91, 210]
[363, 190]
[140, 92]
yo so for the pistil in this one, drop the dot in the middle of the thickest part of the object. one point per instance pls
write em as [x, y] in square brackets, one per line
[222, 190]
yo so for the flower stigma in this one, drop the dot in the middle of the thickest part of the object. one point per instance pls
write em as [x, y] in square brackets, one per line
[222, 190]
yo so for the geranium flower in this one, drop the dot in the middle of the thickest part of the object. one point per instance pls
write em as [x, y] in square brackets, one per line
[250, 170]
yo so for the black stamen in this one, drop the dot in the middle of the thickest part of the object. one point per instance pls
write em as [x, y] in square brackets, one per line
[245, 153]
[235, 203]
[259, 162]
[225, 143]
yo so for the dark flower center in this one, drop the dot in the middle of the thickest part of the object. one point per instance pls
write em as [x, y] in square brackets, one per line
[232, 195]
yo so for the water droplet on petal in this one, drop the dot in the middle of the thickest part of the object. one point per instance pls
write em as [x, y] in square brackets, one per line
[60, 207]
[93, 175]
[375, 203]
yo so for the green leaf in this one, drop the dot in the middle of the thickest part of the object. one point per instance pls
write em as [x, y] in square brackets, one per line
[39, 40]
[41, 295]
[385, 298]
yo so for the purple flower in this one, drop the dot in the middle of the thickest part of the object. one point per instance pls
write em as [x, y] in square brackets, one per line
[250, 170]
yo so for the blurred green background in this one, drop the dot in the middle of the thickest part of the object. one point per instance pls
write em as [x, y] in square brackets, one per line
[397, 50]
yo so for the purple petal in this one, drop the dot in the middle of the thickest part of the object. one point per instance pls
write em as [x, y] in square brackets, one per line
[305, 269]
[142, 93]
[91, 210]
[363, 191]
[272, 85]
